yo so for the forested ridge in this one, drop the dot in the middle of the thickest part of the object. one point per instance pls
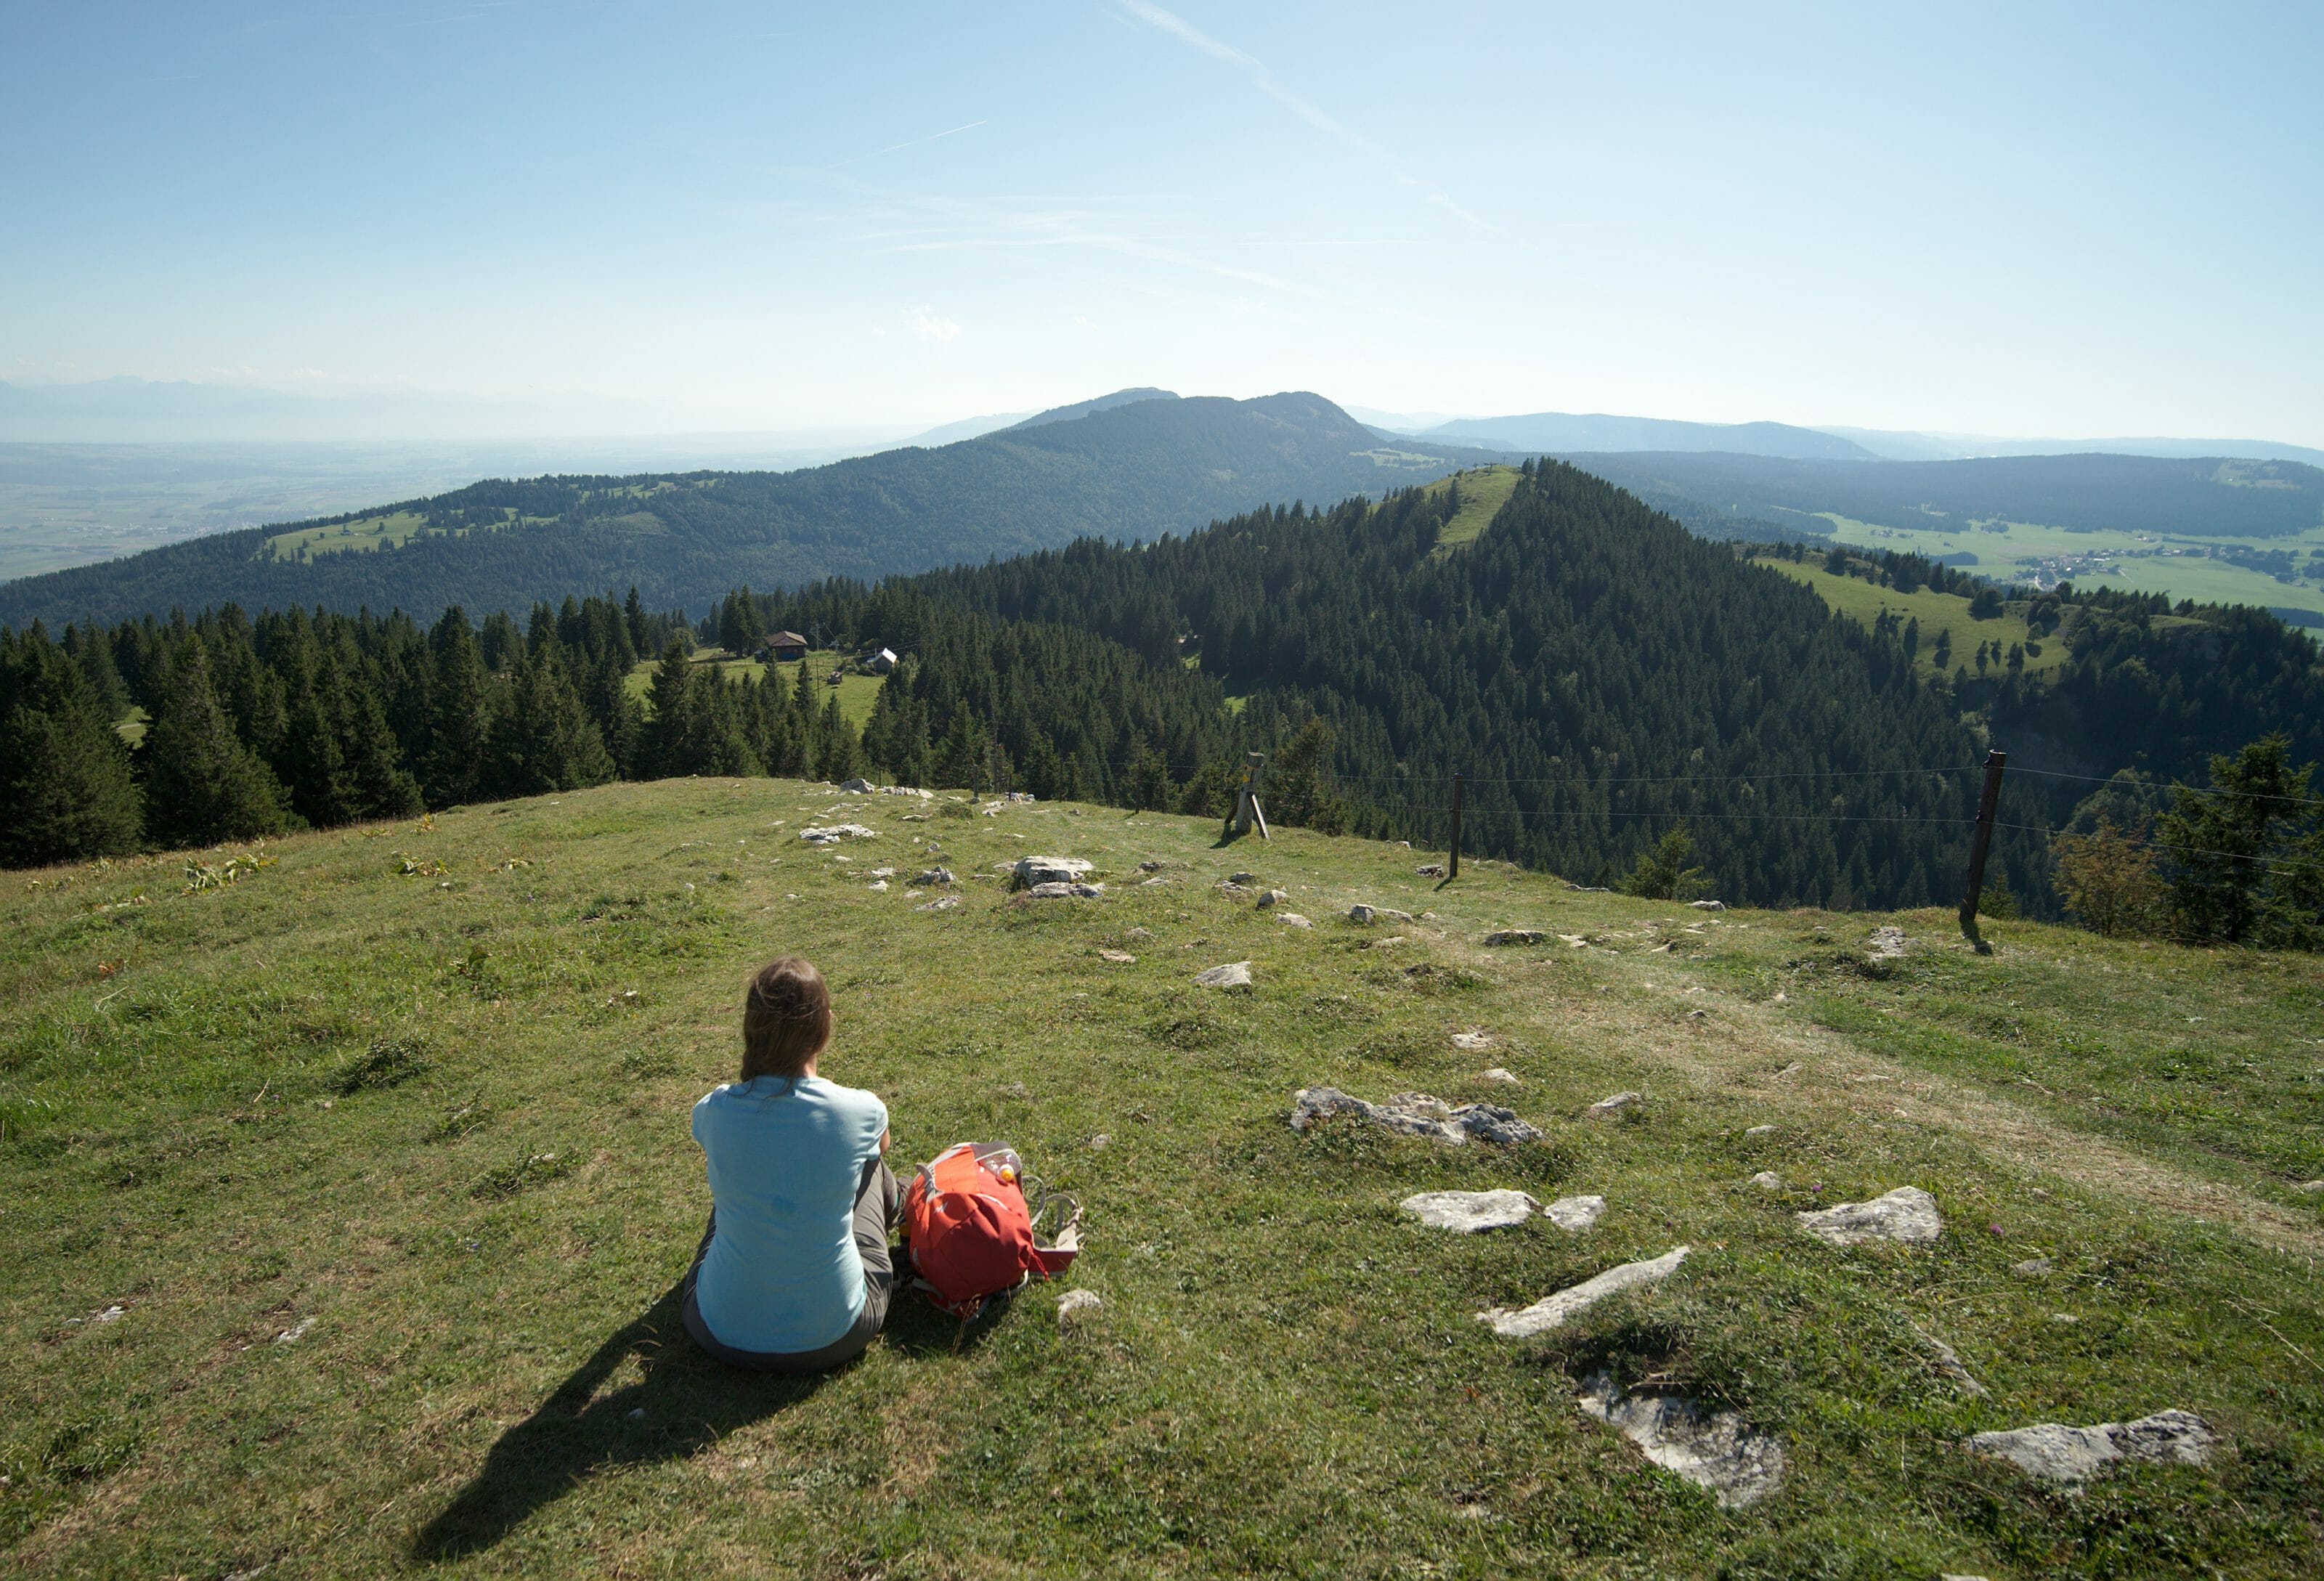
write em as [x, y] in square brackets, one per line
[1126, 472]
[1599, 676]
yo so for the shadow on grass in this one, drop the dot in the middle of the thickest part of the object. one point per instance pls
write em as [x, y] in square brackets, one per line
[689, 1402]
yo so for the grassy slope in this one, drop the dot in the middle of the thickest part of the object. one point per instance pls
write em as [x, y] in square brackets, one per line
[1286, 1376]
[1936, 612]
[857, 693]
[1483, 492]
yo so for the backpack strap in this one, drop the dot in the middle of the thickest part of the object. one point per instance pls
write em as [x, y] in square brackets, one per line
[1064, 1242]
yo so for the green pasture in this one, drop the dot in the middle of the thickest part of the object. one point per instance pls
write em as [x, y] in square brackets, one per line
[342, 1208]
[857, 693]
[1863, 601]
[1483, 492]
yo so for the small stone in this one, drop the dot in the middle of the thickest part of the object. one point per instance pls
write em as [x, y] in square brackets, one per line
[1501, 1073]
[113, 1313]
[1887, 943]
[1509, 936]
[1552, 1311]
[1233, 974]
[1737, 1465]
[1293, 919]
[831, 834]
[1430, 869]
[935, 878]
[1758, 1129]
[1575, 1213]
[1948, 1363]
[1416, 1115]
[1362, 916]
[1698, 1014]
[1781, 997]
[1074, 1304]
[1467, 1212]
[856, 787]
[637, 1413]
[1244, 878]
[1100, 1143]
[1907, 1213]
[2310, 1188]
[1267, 898]
[1607, 1108]
[2054, 1453]
[1139, 935]
[1707, 905]
[296, 1332]
[1767, 1180]
[1119, 957]
[883, 873]
[1150, 866]
[878, 886]
[941, 903]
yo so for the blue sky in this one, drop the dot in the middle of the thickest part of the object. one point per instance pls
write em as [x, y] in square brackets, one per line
[2044, 219]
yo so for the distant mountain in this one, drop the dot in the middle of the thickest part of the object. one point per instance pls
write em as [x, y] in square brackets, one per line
[2205, 497]
[1561, 433]
[967, 427]
[1132, 470]
[1081, 408]
[1907, 445]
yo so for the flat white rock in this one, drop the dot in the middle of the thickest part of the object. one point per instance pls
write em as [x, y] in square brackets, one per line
[1907, 1213]
[1034, 870]
[1416, 1115]
[1233, 974]
[1473, 1040]
[1074, 1303]
[1502, 1074]
[2052, 1452]
[1552, 1311]
[1767, 1180]
[1575, 1213]
[1607, 1108]
[1289, 919]
[831, 834]
[1717, 1452]
[1467, 1212]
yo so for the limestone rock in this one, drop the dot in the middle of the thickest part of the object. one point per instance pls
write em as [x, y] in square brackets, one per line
[1038, 870]
[1057, 890]
[2310, 1188]
[1607, 1108]
[1150, 866]
[2032, 1268]
[934, 877]
[1233, 974]
[1948, 1362]
[1499, 1073]
[1552, 1311]
[1887, 943]
[1737, 1465]
[1293, 919]
[1707, 905]
[1906, 1214]
[1767, 1180]
[941, 903]
[1576, 1214]
[1758, 1129]
[1075, 1304]
[1119, 957]
[1416, 1115]
[2054, 1453]
[856, 787]
[1467, 1212]
[1267, 898]
[1243, 878]
[831, 834]
[1473, 1040]
[879, 886]
[1430, 869]
[1507, 935]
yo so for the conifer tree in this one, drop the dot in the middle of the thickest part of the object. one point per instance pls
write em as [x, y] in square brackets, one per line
[64, 774]
[662, 747]
[546, 740]
[459, 729]
[202, 785]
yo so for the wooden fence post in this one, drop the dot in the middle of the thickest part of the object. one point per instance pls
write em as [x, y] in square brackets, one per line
[1247, 809]
[1981, 843]
[1453, 868]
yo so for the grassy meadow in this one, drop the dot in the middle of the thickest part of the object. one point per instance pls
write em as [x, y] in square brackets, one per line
[1937, 612]
[857, 693]
[1483, 492]
[346, 1202]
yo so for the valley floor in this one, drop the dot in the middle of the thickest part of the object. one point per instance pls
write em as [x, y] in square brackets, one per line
[342, 1206]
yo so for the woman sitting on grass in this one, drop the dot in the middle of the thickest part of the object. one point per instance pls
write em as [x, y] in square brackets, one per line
[793, 1274]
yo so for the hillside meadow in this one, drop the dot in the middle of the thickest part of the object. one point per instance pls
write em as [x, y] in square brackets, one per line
[348, 1184]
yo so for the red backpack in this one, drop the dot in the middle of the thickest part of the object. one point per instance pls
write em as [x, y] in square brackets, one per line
[967, 1231]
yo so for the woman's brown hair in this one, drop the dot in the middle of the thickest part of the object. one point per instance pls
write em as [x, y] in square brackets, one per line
[786, 1019]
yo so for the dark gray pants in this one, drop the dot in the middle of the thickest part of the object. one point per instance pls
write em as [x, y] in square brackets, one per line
[879, 1209]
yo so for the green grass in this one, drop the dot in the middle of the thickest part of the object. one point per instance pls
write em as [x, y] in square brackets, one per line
[2138, 562]
[445, 1118]
[365, 534]
[857, 693]
[1484, 493]
[1863, 602]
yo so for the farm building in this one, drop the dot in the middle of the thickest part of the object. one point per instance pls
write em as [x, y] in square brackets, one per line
[879, 661]
[782, 647]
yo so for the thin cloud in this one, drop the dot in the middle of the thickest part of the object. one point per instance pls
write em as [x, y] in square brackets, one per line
[909, 143]
[928, 321]
[1187, 33]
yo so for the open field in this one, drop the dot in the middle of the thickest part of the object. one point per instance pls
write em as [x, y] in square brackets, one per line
[2135, 561]
[857, 693]
[345, 1204]
[1936, 612]
[1483, 492]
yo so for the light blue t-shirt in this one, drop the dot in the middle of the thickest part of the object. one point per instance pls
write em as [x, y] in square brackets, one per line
[786, 1157]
